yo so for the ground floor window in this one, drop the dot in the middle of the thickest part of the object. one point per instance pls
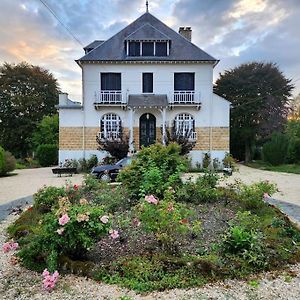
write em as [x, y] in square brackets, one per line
[110, 126]
[184, 124]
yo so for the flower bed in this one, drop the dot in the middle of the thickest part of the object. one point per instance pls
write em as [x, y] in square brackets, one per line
[155, 232]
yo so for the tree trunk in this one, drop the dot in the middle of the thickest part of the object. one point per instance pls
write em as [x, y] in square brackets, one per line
[247, 151]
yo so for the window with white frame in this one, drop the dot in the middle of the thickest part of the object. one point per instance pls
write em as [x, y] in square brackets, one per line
[184, 124]
[110, 126]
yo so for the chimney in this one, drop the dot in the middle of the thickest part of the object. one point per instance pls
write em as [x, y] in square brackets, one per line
[186, 32]
[63, 99]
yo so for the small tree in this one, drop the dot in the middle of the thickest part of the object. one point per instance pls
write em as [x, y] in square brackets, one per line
[116, 147]
[275, 151]
[182, 139]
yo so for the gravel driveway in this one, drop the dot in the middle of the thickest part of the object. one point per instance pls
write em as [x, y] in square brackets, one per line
[28, 181]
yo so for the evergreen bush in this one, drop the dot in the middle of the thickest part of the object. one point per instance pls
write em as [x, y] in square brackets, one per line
[47, 155]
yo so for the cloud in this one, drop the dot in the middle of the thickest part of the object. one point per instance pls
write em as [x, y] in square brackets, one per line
[234, 31]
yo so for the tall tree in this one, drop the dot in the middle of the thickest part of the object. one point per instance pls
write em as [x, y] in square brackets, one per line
[259, 94]
[27, 94]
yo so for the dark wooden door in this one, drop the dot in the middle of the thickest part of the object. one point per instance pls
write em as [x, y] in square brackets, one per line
[147, 130]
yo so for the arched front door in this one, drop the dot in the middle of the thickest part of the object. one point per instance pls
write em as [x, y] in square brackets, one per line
[147, 130]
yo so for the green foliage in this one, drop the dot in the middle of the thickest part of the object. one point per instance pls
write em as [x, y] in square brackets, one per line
[73, 239]
[46, 132]
[186, 145]
[203, 190]
[156, 162]
[206, 161]
[2, 161]
[7, 162]
[47, 155]
[229, 161]
[166, 220]
[85, 165]
[252, 195]
[47, 197]
[117, 148]
[275, 150]
[259, 94]
[27, 94]
[293, 135]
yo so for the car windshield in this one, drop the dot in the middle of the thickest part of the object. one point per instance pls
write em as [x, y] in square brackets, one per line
[124, 161]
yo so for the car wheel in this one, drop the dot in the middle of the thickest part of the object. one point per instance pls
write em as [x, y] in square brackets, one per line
[104, 177]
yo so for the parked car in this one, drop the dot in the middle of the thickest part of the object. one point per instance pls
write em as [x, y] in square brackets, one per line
[110, 172]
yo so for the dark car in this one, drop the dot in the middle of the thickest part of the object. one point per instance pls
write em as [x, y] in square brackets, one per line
[110, 172]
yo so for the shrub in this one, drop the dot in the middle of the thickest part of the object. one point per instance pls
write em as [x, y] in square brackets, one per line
[92, 162]
[70, 231]
[1, 160]
[117, 148]
[7, 162]
[206, 161]
[293, 150]
[186, 145]
[48, 197]
[47, 155]
[275, 151]
[10, 162]
[253, 195]
[203, 190]
[163, 162]
[229, 162]
[165, 219]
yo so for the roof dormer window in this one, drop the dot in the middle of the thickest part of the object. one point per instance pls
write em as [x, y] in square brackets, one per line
[147, 48]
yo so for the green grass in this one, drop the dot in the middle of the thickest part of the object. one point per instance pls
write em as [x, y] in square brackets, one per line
[287, 168]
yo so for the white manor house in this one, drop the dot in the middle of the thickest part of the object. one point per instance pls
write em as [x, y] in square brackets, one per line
[143, 81]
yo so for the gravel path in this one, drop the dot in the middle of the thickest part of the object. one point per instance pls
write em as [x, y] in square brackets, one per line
[28, 181]
[19, 283]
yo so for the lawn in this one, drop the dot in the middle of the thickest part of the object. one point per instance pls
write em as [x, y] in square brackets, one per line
[155, 232]
[287, 168]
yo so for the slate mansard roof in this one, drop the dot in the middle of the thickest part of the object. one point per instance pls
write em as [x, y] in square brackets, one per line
[147, 27]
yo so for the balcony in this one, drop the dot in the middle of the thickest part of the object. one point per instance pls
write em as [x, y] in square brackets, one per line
[184, 98]
[104, 98]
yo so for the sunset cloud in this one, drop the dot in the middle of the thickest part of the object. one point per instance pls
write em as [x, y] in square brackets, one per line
[233, 31]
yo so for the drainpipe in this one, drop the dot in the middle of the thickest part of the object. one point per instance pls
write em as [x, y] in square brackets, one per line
[83, 112]
[210, 127]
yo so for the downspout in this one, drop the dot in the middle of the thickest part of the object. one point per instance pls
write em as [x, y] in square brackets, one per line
[83, 112]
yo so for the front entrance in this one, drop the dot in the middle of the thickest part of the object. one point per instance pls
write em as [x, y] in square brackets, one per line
[147, 130]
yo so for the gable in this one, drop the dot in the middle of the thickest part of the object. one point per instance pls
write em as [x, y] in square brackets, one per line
[114, 48]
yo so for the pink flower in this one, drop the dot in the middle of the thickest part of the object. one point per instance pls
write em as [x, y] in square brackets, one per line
[75, 187]
[114, 234]
[49, 280]
[104, 219]
[266, 196]
[6, 247]
[83, 201]
[14, 246]
[45, 273]
[170, 207]
[64, 220]
[151, 199]
[60, 230]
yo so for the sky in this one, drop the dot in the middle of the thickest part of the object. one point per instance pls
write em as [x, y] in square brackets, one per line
[234, 31]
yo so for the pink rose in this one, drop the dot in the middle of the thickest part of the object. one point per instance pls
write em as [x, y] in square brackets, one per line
[45, 273]
[114, 234]
[49, 280]
[75, 187]
[14, 246]
[151, 199]
[6, 247]
[64, 220]
[104, 219]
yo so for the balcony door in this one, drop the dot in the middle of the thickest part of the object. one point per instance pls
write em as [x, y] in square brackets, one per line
[110, 88]
[147, 130]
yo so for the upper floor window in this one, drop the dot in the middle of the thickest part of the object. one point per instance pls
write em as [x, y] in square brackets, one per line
[147, 48]
[184, 81]
[110, 81]
[147, 82]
